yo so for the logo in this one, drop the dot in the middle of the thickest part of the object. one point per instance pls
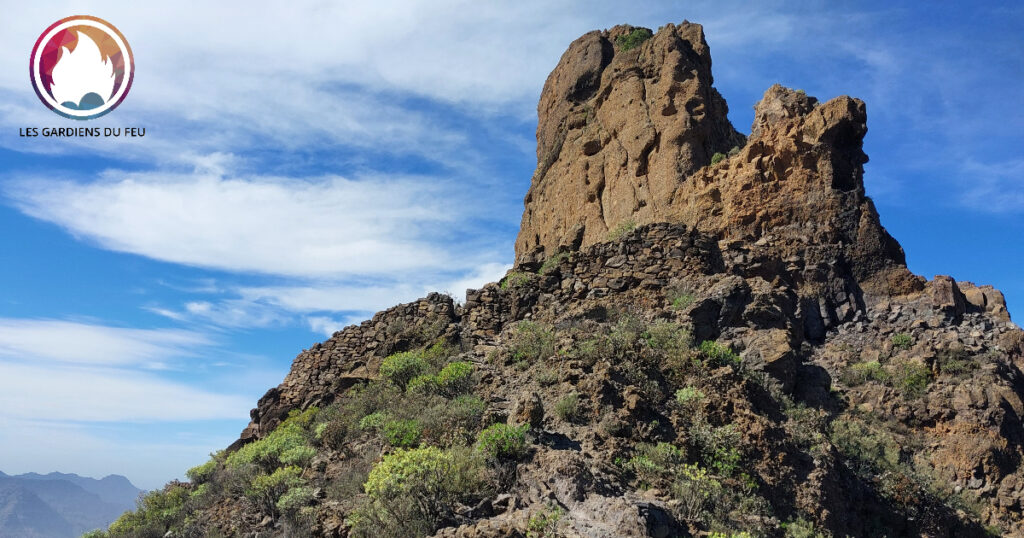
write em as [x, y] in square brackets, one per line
[82, 67]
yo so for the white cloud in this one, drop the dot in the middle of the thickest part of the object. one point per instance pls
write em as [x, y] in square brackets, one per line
[84, 343]
[42, 392]
[996, 187]
[316, 227]
[327, 326]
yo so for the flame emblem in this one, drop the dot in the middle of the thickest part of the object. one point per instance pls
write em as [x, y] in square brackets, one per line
[82, 67]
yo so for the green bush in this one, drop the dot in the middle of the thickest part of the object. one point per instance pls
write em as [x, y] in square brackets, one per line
[717, 158]
[633, 39]
[401, 368]
[800, 528]
[716, 355]
[411, 491]
[545, 522]
[651, 463]
[276, 483]
[552, 262]
[516, 279]
[501, 441]
[202, 473]
[421, 472]
[860, 373]
[902, 341]
[531, 341]
[266, 452]
[733, 151]
[402, 433]
[568, 408]
[622, 229]
[695, 490]
[155, 513]
[955, 361]
[911, 377]
[299, 455]
[666, 335]
[423, 384]
[873, 448]
[295, 499]
[455, 378]
[716, 446]
[374, 421]
[689, 398]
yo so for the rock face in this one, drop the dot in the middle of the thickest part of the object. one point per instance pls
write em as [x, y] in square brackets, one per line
[628, 136]
[749, 354]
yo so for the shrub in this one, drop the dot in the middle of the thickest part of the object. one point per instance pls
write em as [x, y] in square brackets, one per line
[552, 262]
[423, 384]
[717, 158]
[401, 368]
[202, 473]
[402, 433]
[547, 376]
[857, 374]
[902, 341]
[501, 441]
[516, 279]
[651, 463]
[568, 408]
[955, 361]
[155, 512]
[299, 455]
[735, 150]
[874, 449]
[545, 522]
[294, 499]
[467, 408]
[455, 378]
[622, 229]
[689, 397]
[373, 421]
[716, 354]
[800, 528]
[667, 335]
[911, 377]
[274, 484]
[725, 460]
[633, 39]
[266, 452]
[695, 490]
[531, 341]
[410, 492]
[715, 445]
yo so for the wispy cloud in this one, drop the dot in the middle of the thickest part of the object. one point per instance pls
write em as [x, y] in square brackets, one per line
[993, 187]
[308, 227]
[93, 344]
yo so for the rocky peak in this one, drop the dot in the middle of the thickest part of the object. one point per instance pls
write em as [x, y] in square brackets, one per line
[627, 135]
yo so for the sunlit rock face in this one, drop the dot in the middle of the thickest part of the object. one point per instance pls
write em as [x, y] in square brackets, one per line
[82, 79]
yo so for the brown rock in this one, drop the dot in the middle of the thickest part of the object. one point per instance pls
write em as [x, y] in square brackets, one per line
[529, 409]
[946, 296]
[628, 136]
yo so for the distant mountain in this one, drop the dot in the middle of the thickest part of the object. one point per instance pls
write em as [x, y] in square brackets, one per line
[59, 505]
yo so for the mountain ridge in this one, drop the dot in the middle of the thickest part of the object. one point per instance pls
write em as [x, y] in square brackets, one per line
[703, 334]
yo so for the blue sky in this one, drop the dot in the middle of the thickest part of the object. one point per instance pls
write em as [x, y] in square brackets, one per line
[306, 166]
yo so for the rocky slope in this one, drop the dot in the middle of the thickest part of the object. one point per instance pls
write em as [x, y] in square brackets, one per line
[689, 344]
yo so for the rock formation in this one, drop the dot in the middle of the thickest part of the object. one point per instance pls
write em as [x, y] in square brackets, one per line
[688, 343]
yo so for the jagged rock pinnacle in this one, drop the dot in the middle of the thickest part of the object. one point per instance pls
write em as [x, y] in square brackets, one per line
[629, 136]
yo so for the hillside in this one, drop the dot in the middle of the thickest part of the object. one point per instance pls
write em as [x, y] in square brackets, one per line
[704, 333]
[60, 505]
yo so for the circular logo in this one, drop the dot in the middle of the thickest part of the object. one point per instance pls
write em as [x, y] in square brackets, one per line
[81, 67]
